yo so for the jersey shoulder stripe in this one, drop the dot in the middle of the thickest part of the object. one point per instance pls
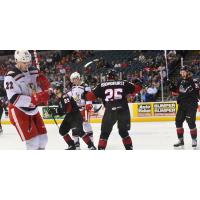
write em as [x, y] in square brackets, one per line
[32, 68]
[84, 85]
[15, 73]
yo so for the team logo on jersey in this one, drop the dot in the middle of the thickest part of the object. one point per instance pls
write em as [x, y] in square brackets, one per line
[32, 87]
[77, 97]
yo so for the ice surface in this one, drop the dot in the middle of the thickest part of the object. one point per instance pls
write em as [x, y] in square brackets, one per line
[149, 135]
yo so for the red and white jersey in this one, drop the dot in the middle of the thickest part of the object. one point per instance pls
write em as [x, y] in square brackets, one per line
[78, 93]
[19, 87]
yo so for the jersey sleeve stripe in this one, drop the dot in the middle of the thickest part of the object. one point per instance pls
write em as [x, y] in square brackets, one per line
[18, 77]
[14, 99]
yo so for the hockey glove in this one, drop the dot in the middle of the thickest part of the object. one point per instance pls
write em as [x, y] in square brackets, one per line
[43, 82]
[88, 107]
[52, 111]
[40, 98]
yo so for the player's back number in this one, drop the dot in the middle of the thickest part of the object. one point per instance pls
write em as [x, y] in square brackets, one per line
[9, 85]
[113, 94]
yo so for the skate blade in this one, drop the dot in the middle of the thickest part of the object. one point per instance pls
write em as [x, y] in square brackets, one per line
[179, 148]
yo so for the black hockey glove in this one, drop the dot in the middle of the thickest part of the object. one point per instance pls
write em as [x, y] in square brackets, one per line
[170, 84]
[52, 111]
[138, 81]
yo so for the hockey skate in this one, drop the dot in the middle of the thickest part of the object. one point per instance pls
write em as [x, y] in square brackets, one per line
[179, 145]
[1, 131]
[194, 144]
[92, 147]
[71, 147]
[77, 145]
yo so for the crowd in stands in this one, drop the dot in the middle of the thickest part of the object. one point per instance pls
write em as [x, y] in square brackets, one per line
[144, 65]
[195, 63]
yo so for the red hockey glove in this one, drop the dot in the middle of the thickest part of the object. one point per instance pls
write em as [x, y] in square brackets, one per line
[88, 107]
[39, 98]
[90, 96]
[138, 88]
[43, 82]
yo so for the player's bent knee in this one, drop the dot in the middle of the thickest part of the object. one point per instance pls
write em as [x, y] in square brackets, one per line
[62, 131]
[191, 122]
[123, 133]
[179, 124]
[87, 127]
[104, 135]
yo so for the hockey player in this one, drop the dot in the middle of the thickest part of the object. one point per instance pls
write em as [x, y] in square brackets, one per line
[113, 93]
[3, 104]
[21, 84]
[79, 90]
[73, 119]
[188, 95]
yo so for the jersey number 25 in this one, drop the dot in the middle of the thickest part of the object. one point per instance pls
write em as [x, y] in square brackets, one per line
[113, 94]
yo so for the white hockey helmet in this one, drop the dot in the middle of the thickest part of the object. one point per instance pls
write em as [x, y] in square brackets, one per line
[22, 56]
[75, 75]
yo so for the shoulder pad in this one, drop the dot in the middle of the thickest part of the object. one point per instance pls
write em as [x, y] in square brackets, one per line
[33, 70]
[15, 73]
[83, 84]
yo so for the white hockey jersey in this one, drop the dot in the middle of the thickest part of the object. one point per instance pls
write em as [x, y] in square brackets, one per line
[78, 94]
[19, 87]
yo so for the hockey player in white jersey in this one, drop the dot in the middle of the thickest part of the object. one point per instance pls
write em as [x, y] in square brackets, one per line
[79, 90]
[26, 89]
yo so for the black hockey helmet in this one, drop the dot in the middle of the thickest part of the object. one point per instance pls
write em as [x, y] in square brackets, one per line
[111, 74]
[185, 68]
[58, 86]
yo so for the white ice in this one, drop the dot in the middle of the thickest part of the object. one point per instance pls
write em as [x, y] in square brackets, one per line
[149, 135]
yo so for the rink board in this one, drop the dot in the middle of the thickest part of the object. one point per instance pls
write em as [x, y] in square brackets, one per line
[140, 112]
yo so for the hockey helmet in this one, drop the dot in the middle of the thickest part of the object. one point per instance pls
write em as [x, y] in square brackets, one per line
[185, 68]
[111, 74]
[22, 56]
[58, 86]
[75, 75]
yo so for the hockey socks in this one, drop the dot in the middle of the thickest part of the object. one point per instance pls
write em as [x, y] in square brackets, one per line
[69, 140]
[102, 144]
[127, 141]
[88, 141]
[180, 133]
[193, 133]
[90, 134]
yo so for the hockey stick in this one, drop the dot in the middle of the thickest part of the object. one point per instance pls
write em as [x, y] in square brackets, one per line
[36, 59]
[98, 109]
[38, 67]
[166, 65]
[54, 119]
[89, 63]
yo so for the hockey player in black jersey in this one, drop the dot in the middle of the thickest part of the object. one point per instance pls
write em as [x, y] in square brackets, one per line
[188, 95]
[72, 121]
[3, 105]
[113, 93]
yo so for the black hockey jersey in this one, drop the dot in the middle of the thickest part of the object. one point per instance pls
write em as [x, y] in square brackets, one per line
[114, 93]
[188, 90]
[66, 104]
